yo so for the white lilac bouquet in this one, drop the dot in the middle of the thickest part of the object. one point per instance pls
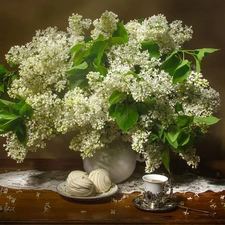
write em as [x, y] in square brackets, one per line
[105, 79]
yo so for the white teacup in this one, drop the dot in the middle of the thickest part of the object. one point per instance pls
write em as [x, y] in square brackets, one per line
[154, 183]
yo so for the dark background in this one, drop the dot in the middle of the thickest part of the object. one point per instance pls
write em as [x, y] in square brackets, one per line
[19, 19]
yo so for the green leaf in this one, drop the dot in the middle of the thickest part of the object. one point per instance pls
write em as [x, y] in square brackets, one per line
[116, 96]
[2, 70]
[12, 118]
[126, 115]
[80, 56]
[8, 123]
[173, 133]
[131, 73]
[207, 120]
[153, 137]
[201, 53]
[98, 47]
[112, 110]
[7, 117]
[76, 48]
[165, 156]
[171, 63]
[99, 68]
[182, 71]
[6, 105]
[75, 69]
[21, 133]
[146, 106]
[178, 107]
[197, 64]
[152, 48]
[137, 70]
[6, 78]
[16, 107]
[116, 40]
[2, 87]
[121, 32]
[78, 81]
[149, 102]
[142, 108]
[168, 137]
[184, 121]
[26, 110]
[96, 51]
[183, 138]
[159, 130]
[77, 76]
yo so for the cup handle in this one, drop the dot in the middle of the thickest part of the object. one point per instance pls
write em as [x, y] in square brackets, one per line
[168, 187]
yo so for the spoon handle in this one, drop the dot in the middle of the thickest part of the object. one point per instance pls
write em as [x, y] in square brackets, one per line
[197, 210]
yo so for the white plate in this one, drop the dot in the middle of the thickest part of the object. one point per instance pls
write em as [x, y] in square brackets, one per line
[61, 189]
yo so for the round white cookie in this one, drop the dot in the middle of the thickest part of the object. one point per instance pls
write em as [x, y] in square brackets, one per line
[75, 174]
[101, 179]
[80, 187]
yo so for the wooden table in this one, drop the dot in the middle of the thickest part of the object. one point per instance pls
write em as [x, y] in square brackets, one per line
[48, 207]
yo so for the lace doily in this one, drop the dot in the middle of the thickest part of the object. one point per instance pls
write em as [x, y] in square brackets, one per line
[49, 180]
[187, 182]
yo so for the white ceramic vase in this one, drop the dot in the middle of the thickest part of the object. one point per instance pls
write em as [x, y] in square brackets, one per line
[118, 159]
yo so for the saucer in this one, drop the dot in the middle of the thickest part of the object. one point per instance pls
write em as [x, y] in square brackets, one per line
[140, 203]
[61, 189]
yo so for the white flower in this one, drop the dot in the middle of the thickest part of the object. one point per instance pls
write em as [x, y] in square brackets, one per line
[190, 157]
[169, 36]
[14, 148]
[76, 28]
[105, 25]
[42, 63]
[96, 86]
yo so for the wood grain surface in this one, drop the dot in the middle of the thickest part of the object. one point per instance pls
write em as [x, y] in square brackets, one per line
[48, 207]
